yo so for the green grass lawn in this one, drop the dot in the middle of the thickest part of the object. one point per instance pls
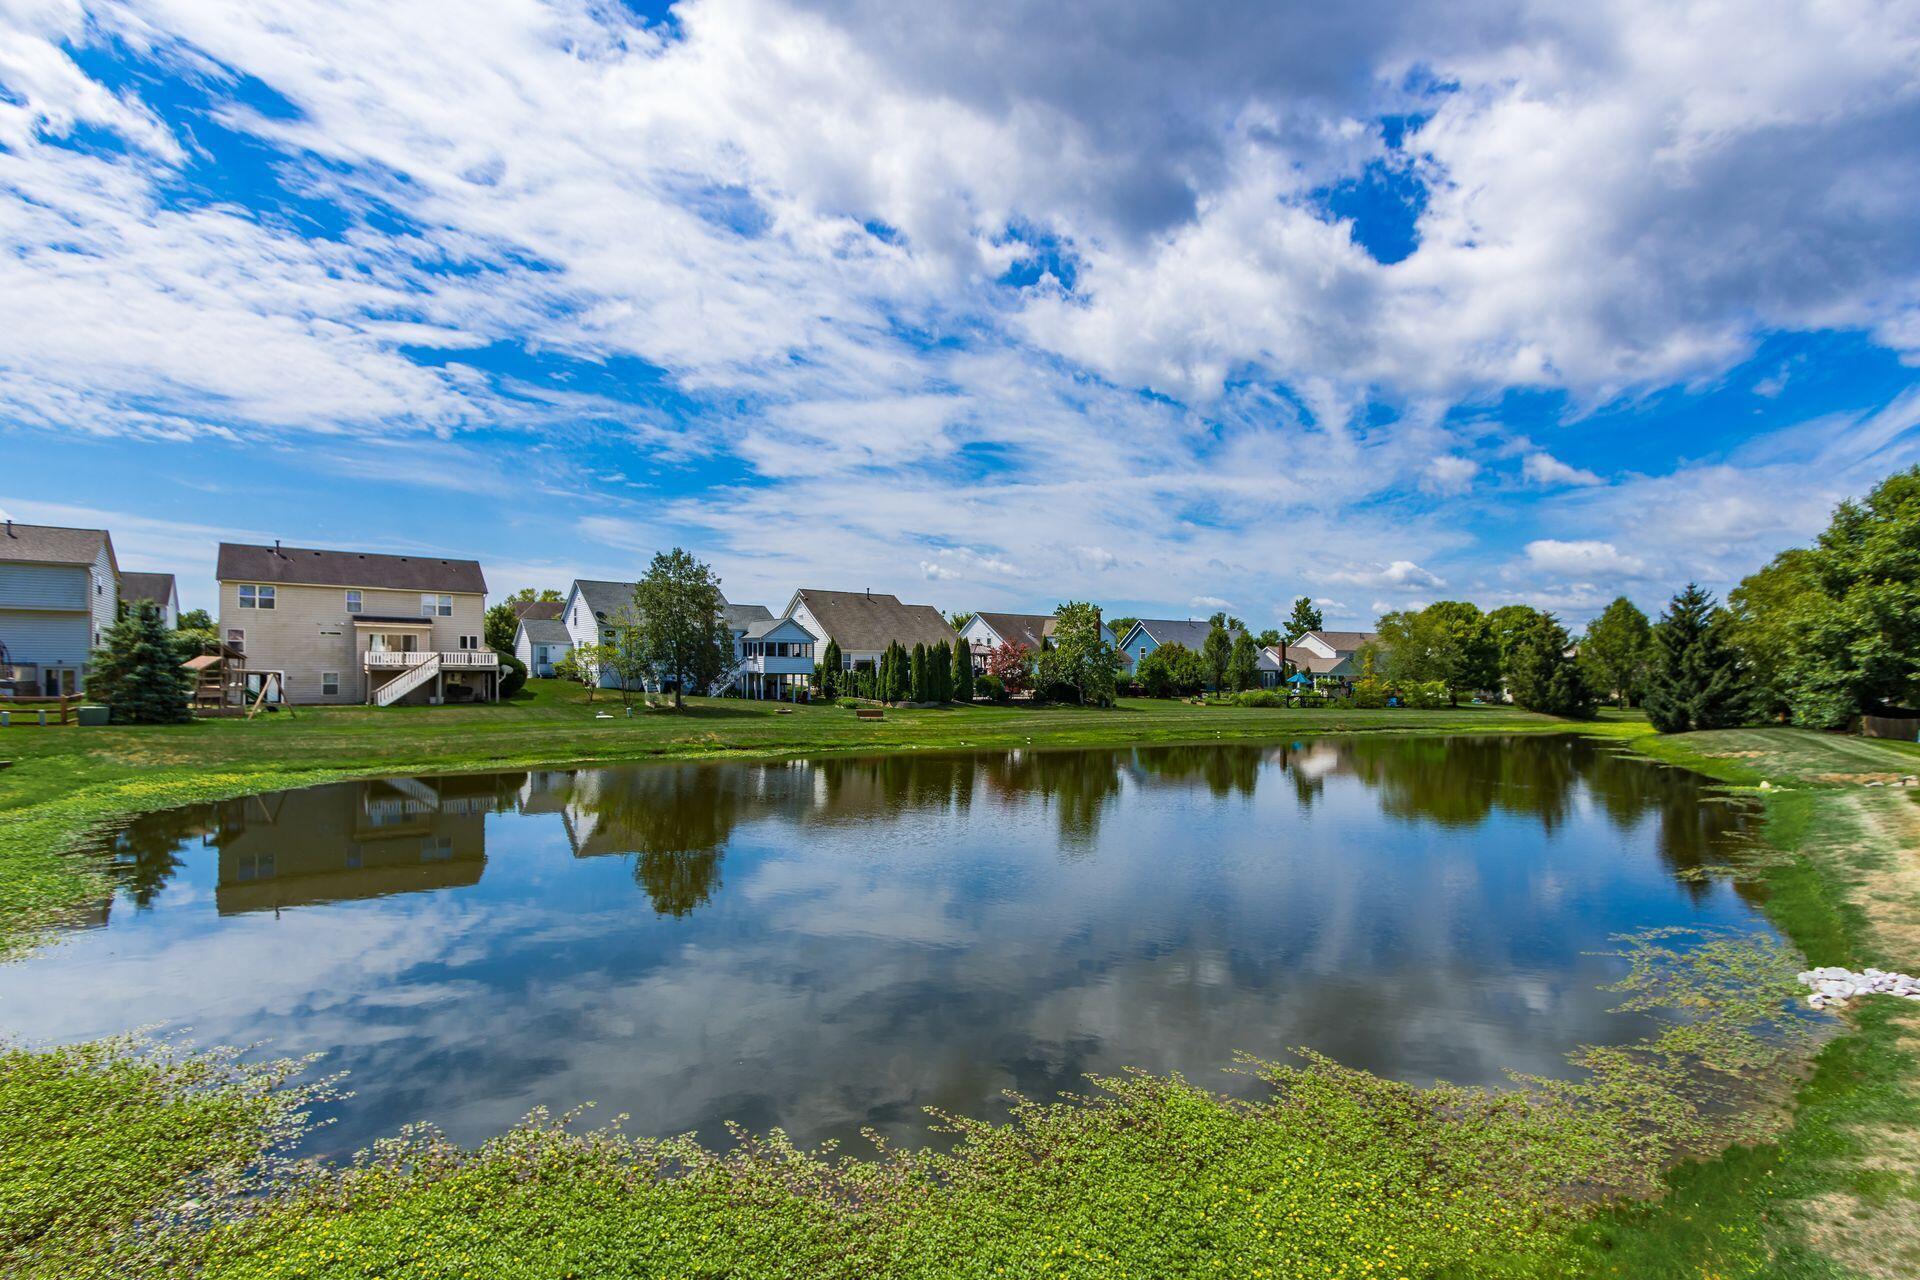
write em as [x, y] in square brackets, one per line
[1340, 1175]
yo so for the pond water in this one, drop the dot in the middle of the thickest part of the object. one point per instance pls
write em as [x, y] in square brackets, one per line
[836, 944]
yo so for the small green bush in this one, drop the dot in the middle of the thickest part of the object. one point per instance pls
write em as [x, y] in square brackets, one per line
[1260, 698]
[1369, 694]
[992, 688]
[848, 703]
[1426, 695]
[513, 675]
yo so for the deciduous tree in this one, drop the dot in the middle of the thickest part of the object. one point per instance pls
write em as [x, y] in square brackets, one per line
[1216, 651]
[1304, 618]
[1243, 663]
[1079, 659]
[1615, 650]
[1011, 664]
[681, 633]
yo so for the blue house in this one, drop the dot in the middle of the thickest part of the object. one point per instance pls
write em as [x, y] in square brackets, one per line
[59, 592]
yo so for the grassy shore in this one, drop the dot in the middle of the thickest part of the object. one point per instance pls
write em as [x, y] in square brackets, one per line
[1340, 1175]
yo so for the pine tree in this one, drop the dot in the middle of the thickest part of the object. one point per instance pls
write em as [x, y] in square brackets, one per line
[900, 674]
[1542, 677]
[918, 666]
[831, 678]
[1695, 682]
[962, 690]
[940, 673]
[138, 672]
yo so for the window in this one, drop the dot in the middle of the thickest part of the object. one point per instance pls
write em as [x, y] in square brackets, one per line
[237, 638]
[329, 684]
[469, 642]
[432, 605]
[255, 597]
[353, 602]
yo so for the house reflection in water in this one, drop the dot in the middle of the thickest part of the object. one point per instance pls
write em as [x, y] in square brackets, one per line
[356, 840]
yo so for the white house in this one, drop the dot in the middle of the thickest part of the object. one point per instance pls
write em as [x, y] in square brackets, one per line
[765, 665]
[1329, 655]
[157, 588]
[59, 592]
[541, 642]
[986, 632]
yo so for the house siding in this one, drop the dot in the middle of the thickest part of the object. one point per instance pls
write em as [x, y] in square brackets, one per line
[44, 586]
[291, 637]
[104, 600]
[45, 637]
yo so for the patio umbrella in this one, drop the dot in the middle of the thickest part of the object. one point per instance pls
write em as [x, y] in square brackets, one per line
[1299, 677]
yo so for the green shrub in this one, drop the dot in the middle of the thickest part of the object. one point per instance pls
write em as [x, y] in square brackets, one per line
[1260, 698]
[848, 703]
[1426, 695]
[513, 675]
[990, 687]
[1369, 694]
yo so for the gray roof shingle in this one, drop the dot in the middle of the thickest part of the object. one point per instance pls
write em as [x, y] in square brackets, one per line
[305, 566]
[157, 587]
[545, 630]
[865, 622]
[51, 544]
[1029, 629]
[603, 597]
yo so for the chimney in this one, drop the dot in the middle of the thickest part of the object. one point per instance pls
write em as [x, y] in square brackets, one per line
[276, 547]
[869, 591]
[10, 532]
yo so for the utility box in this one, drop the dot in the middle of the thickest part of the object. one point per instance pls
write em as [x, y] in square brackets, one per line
[92, 713]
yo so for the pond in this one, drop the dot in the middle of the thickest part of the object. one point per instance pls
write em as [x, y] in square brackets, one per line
[827, 945]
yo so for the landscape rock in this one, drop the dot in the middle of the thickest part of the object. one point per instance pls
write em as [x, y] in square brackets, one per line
[1833, 986]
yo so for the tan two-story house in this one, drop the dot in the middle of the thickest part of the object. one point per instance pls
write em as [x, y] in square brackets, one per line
[351, 626]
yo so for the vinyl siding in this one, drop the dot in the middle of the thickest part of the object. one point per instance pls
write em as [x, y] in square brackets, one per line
[44, 637]
[289, 638]
[43, 586]
[104, 597]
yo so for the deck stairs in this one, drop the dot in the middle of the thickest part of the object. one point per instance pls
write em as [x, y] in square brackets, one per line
[407, 681]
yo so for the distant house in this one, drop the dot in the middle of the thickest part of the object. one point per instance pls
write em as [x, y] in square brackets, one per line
[1329, 655]
[158, 588]
[538, 609]
[1148, 634]
[765, 664]
[986, 632]
[541, 642]
[59, 592]
[589, 611]
[349, 626]
[864, 623]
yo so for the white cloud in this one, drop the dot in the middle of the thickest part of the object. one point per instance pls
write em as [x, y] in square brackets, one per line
[1401, 573]
[1211, 603]
[937, 572]
[1545, 469]
[1575, 559]
[1450, 473]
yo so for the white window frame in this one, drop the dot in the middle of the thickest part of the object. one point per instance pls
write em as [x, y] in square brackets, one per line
[329, 684]
[355, 603]
[435, 605]
[470, 642]
[237, 637]
[256, 595]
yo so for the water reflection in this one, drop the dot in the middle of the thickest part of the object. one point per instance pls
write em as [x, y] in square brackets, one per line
[836, 944]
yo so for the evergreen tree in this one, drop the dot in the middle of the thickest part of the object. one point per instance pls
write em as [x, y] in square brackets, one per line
[917, 665]
[831, 677]
[1695, 681]
[1305, 618]
[962, 673]
[900, 686]
[940, 673]
[138, 672]
[1541, 675]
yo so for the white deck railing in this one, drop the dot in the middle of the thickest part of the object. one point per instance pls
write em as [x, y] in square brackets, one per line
[386, 659]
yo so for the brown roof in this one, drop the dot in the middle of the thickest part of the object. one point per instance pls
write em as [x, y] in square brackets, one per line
[1029, 629]
[537, 609]
[867, 621]
[303, 566]
[157, 587]
[52, 544]
[1346, 641]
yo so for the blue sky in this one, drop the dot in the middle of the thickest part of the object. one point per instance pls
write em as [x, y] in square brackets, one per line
[990, 307]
